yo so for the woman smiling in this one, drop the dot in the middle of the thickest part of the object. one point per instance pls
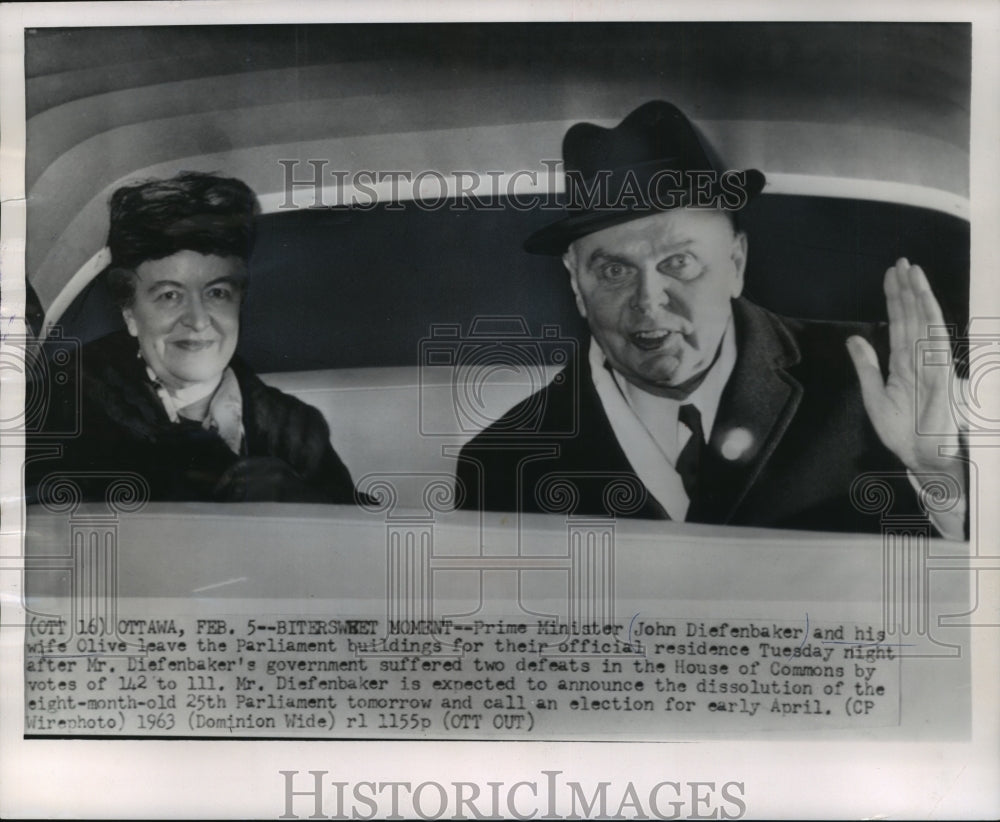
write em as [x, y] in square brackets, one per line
[167, 398]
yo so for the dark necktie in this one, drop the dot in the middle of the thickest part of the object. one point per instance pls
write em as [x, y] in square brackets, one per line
[689, 459]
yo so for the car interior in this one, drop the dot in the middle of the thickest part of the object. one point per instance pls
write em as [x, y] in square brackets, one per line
[379, 313]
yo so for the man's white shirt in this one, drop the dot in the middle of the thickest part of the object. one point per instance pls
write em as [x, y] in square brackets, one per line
[647, 427]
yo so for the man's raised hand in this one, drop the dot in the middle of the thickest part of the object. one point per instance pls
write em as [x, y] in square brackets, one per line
[915, 397]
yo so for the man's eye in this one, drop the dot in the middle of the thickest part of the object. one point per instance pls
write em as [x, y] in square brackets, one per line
[220, 293]
[679, 265]
[615, 272]
[168, 296]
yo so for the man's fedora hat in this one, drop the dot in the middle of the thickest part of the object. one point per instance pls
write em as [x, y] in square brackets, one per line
[652, 161]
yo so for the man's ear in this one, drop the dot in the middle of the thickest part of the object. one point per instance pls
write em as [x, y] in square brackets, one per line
[569, 261]
[739, 257]
[129, 318]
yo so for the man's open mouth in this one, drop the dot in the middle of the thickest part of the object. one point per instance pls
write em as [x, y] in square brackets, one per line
[650, 340]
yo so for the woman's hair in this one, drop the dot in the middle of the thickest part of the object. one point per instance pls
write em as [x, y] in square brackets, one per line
[191, 211]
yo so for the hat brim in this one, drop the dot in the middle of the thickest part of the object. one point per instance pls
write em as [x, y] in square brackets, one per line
[556, 237]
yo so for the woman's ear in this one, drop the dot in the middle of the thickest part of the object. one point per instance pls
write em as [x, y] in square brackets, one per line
[129, 318]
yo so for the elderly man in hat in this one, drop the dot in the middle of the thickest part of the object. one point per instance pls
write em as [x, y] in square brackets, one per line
[693, 402]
